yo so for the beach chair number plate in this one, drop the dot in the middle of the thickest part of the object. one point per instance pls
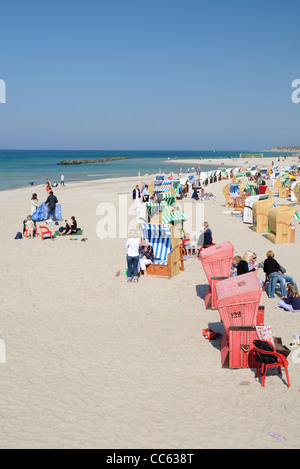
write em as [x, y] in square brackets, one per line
[236, 315]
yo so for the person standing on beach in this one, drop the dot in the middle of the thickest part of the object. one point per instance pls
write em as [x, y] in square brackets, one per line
[51, 201]
[34, 203]
[132, 246]
[62, 180]
[48, 185]
[136, 195]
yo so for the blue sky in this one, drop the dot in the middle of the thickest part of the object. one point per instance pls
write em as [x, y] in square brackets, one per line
[159, 74]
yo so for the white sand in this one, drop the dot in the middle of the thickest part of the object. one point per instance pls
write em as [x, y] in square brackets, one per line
[94, 362]
[264, 162]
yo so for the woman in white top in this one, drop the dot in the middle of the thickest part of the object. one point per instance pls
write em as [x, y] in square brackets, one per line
[132, 247]
[34, 203]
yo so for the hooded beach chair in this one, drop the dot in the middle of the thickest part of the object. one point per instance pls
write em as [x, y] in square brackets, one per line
[280, 228]
[261, 210]
[166, 257]
[296, 192]
[248, 208]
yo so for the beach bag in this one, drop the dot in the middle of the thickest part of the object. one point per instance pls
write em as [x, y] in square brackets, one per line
[209, 334]
[265, 333]
[265, 358]
[18, 235]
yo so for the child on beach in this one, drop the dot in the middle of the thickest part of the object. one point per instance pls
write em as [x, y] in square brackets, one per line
[186, 244]
[235, 261]
[30, 226]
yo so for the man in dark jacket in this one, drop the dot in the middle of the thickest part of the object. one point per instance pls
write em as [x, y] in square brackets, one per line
[51, 201]
[136, 195]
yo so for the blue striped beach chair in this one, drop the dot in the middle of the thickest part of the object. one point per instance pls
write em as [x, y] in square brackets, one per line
[166, 257]
[164, 188]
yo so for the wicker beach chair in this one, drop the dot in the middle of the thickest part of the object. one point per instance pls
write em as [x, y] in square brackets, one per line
[166, 257]
[280, 228]
[261, 210]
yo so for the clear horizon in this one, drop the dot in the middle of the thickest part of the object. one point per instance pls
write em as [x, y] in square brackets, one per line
[170, 74]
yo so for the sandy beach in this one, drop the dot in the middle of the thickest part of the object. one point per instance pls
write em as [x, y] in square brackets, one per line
[264, 162]
[94, 362]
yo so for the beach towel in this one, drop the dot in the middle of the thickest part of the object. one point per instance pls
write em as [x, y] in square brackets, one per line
[41, 212]
[78, 232]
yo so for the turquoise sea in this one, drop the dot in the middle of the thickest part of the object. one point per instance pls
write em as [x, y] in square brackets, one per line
[19, 167]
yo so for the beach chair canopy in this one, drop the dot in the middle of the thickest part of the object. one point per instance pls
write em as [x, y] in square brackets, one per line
[163, 188]
[159, 236]
[169, 217]
[159, 177]
[169, 199]
[154, 207]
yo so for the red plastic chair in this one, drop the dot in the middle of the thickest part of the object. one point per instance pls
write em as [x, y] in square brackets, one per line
[45, 231]
[267, 357]
[35, 231]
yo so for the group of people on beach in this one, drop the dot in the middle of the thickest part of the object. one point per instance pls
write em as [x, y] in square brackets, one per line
[49, 185]
[140, 195]
[274, 273]
[51, 202]
[139, 255]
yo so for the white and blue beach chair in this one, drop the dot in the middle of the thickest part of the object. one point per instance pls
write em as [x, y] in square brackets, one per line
[166, 257]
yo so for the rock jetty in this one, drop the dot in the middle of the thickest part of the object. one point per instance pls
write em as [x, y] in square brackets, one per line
[93, 160]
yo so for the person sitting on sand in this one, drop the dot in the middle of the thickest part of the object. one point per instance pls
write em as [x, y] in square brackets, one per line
[146, 255]
[274, 272]
[292, 300]
[71, 227]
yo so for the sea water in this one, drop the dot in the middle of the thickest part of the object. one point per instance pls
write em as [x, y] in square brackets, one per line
[18, 168]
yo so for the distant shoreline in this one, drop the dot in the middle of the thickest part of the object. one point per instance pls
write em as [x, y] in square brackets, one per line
[285, 149]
